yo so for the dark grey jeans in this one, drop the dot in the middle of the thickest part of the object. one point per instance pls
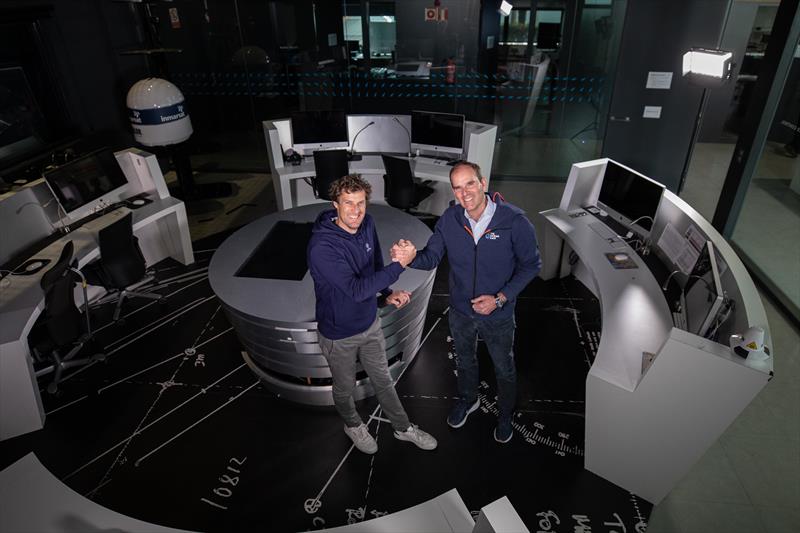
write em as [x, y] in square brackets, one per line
[369, 347]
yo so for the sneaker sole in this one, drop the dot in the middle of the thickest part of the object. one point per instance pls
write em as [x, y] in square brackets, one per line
[469, 411]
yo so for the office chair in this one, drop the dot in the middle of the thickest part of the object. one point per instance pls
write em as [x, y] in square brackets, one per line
[329, 166]
[122, 265]
[61, 324]
[402, 191]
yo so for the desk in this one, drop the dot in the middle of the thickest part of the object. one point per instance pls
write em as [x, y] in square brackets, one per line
[275, 318]
[292, 191]
[163, 231]
[657, 397]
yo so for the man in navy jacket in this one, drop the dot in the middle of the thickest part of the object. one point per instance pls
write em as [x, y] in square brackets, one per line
[492, 250]
[346, 263]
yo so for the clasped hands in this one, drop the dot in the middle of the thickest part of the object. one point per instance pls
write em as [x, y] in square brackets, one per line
[403, 252]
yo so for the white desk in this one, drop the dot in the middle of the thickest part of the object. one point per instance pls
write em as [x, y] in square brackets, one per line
[163, 231]
[657, 397]
[292, 191]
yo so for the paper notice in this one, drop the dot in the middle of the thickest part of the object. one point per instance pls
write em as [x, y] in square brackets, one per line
[659, 80]
[652, 111]
[677, 249]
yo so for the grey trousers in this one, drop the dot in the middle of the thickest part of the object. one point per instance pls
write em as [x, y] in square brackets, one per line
[369, 347]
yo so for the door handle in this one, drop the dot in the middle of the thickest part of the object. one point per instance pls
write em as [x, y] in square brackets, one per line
[612, 118]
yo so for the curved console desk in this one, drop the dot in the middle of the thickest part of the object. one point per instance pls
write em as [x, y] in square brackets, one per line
[291, 190]
[656, 396]
[163, 231]
[274, 318]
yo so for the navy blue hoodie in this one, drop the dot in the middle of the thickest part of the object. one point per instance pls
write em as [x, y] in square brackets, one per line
[348, 273]
[505, 259]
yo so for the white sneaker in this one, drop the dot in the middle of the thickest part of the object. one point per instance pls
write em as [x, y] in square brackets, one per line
[417, 436]
[361, 438]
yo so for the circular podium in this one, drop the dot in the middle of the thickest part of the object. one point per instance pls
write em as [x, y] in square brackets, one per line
[261, 277]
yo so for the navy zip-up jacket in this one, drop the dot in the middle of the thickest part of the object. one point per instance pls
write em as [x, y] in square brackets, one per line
[348, 273]
[505, 259]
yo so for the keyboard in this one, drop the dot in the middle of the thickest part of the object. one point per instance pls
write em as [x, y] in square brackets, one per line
[604, 231]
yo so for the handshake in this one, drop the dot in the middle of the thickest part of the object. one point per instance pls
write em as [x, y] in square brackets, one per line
[403, 252]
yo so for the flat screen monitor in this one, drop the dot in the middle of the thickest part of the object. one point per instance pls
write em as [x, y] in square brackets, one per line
[630, 197]
[439, 132]
[702, 293]
[318, 130]
[86, 180]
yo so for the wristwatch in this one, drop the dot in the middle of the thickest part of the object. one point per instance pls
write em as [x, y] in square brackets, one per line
[499, 302]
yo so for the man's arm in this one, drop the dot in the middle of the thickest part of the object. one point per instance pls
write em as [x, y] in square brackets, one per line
[330, 263]
[526, 251]
[429, 257]
[378, 261]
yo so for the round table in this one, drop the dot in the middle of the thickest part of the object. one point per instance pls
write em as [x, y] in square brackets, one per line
[260, 275]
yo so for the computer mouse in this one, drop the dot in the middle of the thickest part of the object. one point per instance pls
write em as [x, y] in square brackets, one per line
[33, 265]
[138, 201]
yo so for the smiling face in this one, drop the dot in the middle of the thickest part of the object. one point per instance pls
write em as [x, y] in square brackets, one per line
[469, 189]
[350, 210]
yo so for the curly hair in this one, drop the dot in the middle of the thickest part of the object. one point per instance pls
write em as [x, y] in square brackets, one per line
[349, 184]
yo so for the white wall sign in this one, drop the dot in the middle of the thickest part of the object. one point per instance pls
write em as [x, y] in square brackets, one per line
[659, 80]
[652, 111]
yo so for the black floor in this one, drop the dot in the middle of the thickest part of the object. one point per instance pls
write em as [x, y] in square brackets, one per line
[176, 430]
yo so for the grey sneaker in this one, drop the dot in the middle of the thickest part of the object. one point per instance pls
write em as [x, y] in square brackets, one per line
[362, 439]
[417, 436]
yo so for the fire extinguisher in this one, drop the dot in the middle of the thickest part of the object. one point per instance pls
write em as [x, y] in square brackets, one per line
[450, 70]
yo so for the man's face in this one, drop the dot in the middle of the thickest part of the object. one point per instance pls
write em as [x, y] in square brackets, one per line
[350, 210]
[468, 190]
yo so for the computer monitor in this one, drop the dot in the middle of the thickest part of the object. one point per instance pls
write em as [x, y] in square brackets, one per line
[438, 132]
[702, 294]
[95, 177]
[629, 197]
[318, 130]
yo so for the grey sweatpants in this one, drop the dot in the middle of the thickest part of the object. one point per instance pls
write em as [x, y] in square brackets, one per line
[369, 347]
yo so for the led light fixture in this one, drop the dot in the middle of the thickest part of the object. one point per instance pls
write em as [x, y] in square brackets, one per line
[505, 8]
[714, 65]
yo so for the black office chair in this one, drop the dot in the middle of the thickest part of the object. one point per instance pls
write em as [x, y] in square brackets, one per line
[329, 166]
[402, 191]
[61, 325]
[122, 266]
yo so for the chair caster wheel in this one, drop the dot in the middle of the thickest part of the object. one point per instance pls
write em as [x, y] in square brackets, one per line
[99, 357]
[52, 389]
[120, 322]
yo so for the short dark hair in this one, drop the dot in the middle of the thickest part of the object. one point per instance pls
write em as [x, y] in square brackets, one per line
[474, 166]
[349, 184]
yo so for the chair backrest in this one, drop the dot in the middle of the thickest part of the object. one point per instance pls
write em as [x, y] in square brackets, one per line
[62, 318]
[329, 166]
[399, 186]
[120, 256]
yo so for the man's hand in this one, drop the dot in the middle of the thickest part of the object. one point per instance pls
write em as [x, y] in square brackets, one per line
[484, 304]
[403, 252]
[398, 298]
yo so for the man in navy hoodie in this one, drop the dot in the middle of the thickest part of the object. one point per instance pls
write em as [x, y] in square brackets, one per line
[346, 263]
[492, 250]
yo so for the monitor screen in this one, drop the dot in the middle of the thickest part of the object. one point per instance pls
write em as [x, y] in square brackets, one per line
[440, 132]
[319, 129]
[703, 292]
[630, 195]
[82, 181]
